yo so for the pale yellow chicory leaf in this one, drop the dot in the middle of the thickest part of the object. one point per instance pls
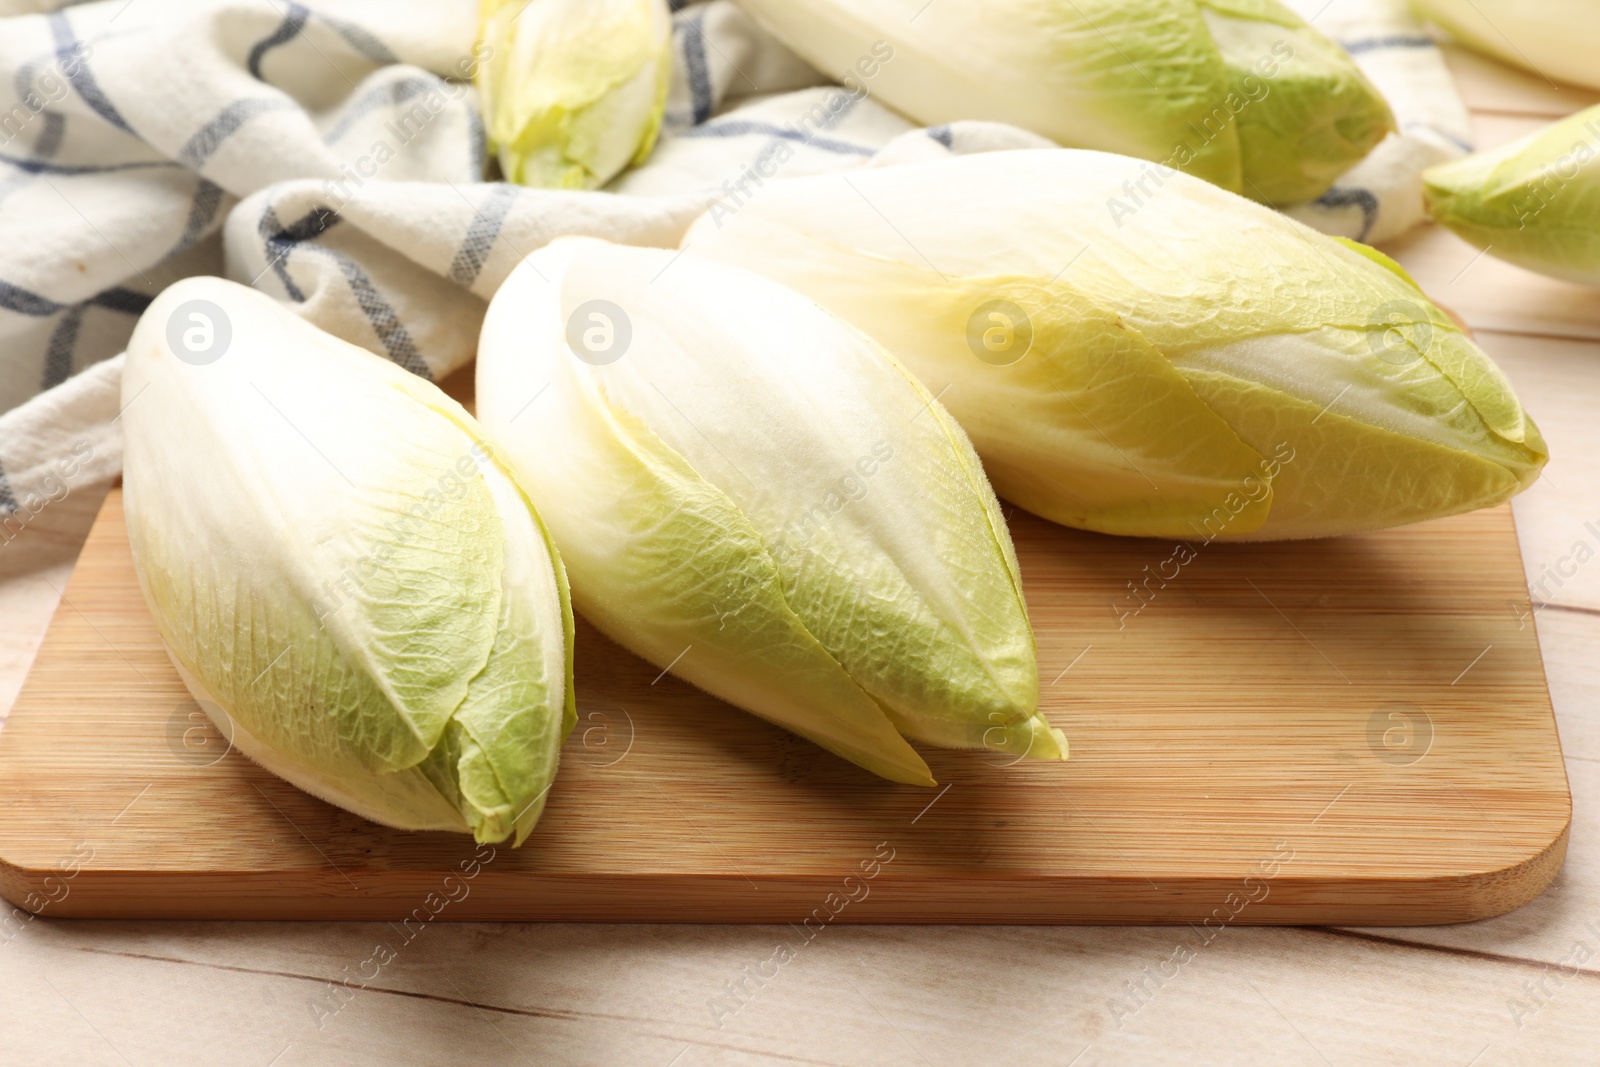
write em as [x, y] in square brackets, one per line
[1534, 202]
[753, 495]
[573, 91]
[1137, 352]
[345, 573]
[1243, 93]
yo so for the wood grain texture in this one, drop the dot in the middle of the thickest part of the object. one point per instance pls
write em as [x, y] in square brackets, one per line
[115, 993]
[1360, 728]
[41, 557]
[1490, 89]
[1559, 516]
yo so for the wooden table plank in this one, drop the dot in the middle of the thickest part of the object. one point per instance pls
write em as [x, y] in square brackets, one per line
[1492, 295]
[34, 568]
[1567, 916]
[1492, 88]
[1558, 518]
[243, 993]
[1216, 735]
[580, 994]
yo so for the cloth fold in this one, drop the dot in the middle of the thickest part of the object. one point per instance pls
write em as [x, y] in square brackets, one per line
[331, 154]
[1380, 198]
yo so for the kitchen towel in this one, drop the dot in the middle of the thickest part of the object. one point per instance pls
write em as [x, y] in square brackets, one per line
[331, 154]
[1380, 198]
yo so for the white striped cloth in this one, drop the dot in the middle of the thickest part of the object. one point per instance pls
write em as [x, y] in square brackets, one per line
[1381, 197]
[330, 153]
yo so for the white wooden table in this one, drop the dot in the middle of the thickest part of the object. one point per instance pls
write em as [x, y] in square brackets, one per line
[1523, 988]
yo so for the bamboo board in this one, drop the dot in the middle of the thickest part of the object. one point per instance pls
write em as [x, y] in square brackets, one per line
[1354, 731]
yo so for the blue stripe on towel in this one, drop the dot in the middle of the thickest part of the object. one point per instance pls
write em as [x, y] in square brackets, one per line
[1337, 198]
[15, 298]
[64, 338]
[694, 61]
[116, 298]
[480, 145]
[281, 241]
[391, 331]
[8, 502]
[389, 94]
[63, 342]
[211, 136]
[288, 30]
[745, 128]
[202, 213]
[1465, 146]
[54, 125]
[361, 39]
[55, 128]
[81, 77]
[39, 166]
[482, 233]
[1379, 44]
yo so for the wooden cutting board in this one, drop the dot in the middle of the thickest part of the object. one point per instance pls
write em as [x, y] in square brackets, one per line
[1353, 731]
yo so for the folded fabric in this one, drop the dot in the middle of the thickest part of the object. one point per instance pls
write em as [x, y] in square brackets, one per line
[330, 153]
[1381, 197]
